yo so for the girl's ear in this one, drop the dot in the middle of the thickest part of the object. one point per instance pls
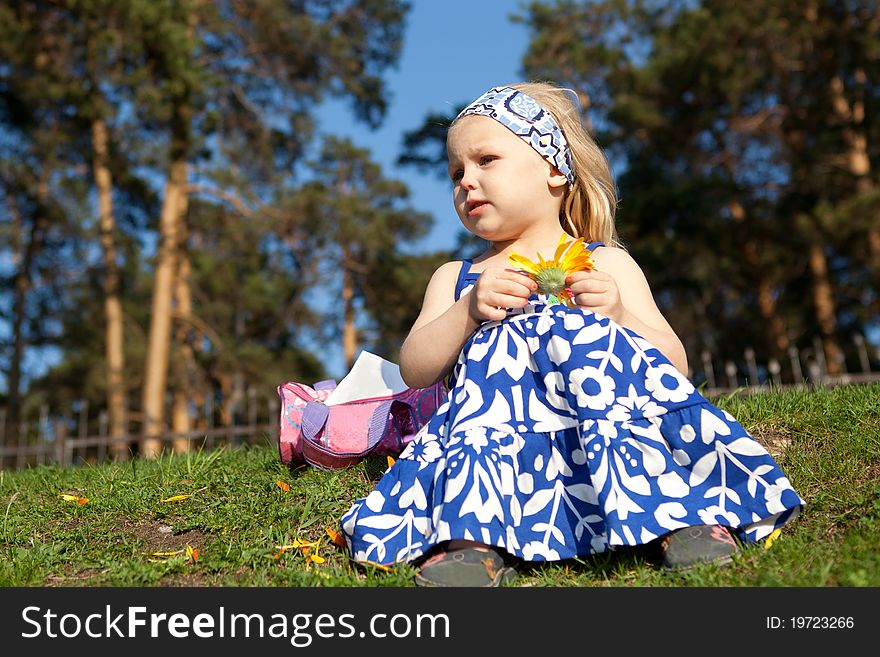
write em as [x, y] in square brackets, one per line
[556, 178]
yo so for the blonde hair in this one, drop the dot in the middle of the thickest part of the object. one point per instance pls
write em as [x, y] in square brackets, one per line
[590, 203]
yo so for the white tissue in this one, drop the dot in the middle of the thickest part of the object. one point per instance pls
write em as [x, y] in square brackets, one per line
[370, 376]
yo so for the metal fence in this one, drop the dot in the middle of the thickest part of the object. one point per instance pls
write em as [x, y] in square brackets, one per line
[803, 368]
[77, 437]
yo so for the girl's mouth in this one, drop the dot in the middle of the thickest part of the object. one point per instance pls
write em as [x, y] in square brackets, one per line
[474, 207]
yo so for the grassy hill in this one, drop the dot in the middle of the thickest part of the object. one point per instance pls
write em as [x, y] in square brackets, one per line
[239, 517]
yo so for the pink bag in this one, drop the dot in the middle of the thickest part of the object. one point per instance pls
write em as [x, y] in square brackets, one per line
[339, 436]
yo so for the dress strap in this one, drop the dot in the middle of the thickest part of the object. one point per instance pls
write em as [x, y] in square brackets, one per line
[461, 283]
[593, 245]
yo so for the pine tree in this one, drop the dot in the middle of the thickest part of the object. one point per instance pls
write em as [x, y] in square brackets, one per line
[356, 218]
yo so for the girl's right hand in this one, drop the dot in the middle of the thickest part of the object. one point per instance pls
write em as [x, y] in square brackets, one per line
[496, 290]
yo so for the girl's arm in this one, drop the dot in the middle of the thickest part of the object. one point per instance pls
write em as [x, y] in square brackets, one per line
[439, 332]
[619, 290]
[444, 325]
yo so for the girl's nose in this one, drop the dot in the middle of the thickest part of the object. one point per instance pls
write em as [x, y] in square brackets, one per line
[468, 181]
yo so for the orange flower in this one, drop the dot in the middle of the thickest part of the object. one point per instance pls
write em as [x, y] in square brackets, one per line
[550, 275]
[283, 486]
[336, 537]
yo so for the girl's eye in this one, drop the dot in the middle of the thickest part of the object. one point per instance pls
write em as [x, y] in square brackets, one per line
[486, 159]
[457, 175]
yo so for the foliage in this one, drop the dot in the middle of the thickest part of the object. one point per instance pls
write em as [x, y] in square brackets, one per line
[736, 132]
[356, 221]
[230, 89]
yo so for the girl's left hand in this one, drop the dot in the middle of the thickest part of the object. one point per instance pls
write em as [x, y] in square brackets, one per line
[596, 291]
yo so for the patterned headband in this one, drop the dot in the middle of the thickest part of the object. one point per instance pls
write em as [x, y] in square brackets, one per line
[524, 117]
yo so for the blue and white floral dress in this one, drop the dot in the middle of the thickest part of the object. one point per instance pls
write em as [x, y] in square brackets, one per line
[565, 434]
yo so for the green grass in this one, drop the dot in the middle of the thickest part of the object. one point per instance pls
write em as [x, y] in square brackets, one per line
[827, 442]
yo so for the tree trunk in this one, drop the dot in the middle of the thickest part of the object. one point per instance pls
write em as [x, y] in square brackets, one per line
[114, 340]
[184, 384]
[824, 304]
[776, 334]
[226, 408]
[874, 252]
[159, 341]
[172, 233]
[21, 284]
[232, 408]
[349, 331]
[858, 160]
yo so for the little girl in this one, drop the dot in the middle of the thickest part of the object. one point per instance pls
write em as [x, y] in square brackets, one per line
[570, 428]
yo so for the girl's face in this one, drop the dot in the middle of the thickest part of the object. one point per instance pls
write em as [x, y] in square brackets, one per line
[502, 188]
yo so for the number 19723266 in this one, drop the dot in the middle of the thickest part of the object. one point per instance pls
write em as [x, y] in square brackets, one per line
[810, 623]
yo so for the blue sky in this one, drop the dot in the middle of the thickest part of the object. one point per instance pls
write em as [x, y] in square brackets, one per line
[453, 51]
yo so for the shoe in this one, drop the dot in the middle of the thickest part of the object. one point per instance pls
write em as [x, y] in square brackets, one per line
[685, 548]
[467, 566]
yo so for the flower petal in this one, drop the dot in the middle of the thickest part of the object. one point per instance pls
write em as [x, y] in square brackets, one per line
[336, 537]
[770, 540]
[561, 247]
[170, 553]
[176, 498]
[377, 565]
[523, 263]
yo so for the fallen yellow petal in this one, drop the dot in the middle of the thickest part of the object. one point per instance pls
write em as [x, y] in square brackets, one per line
[69, 498]
[283, 486]
[390, 461]
[191, 552]
[167, 554]
[296, 545]
[770, 540]
[316, 559]
[377, 565]
[307, 547]
[176, 498]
